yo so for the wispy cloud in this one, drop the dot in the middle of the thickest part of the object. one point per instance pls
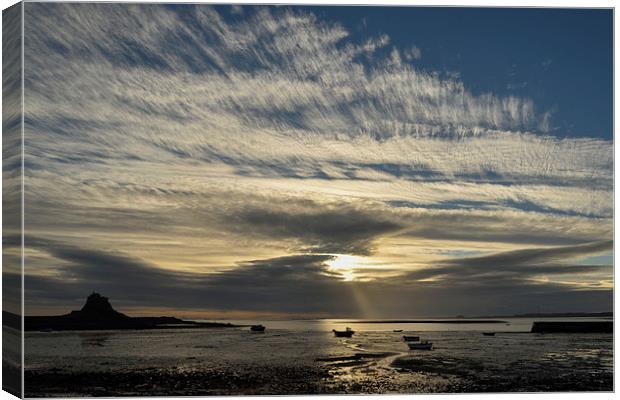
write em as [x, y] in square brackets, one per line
[520, 265]
[300, 284]
[199, 138]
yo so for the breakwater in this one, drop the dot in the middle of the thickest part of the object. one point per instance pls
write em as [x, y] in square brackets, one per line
[573, 327]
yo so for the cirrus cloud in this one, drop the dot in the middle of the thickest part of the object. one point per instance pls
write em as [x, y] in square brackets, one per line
[198, 139]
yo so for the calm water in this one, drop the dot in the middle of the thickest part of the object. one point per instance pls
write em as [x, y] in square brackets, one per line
[326, 325]
[374, 360]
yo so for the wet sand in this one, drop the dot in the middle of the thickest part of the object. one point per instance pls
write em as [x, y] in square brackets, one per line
[177, 382]
[351, 375]
[285, 362]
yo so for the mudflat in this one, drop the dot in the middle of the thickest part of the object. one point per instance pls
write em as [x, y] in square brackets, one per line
[280, 361]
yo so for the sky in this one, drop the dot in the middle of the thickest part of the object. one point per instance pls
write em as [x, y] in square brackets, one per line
[254, 162]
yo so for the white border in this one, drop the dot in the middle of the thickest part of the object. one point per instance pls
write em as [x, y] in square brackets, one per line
[467, 3]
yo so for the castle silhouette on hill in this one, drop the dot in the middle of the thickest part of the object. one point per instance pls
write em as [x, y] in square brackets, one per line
[98, 314]
[97, 306]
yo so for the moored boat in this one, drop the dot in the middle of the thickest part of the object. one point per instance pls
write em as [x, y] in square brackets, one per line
[411, 338]
[488, 333]
[425, 345]
[346, 333]
[257, 328]
[398, 330]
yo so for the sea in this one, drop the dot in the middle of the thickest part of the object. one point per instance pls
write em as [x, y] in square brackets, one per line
[304, 357]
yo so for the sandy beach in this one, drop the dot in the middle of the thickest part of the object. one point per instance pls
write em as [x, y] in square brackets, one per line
[294, 361]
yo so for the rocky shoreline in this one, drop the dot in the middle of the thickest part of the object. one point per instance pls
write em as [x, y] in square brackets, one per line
[176, 382]
[355, 374]
[470, 376]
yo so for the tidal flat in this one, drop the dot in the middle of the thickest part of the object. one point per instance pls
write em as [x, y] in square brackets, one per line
[296, 361]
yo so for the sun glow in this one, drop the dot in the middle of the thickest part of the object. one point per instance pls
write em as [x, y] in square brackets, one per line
[345, 265]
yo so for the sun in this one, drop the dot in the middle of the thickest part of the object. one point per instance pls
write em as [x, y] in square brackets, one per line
[344, 265]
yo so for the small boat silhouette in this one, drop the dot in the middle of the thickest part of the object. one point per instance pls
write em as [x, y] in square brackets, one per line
[411, 338]
[425, 345]
[346, 333]
[398, 330]
[488, 333]
[257, 328]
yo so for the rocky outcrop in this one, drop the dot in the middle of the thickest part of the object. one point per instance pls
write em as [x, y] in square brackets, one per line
[97, 307]
[98, 314]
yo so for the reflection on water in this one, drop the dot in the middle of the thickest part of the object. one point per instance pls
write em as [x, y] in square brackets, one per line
[94, 339]
[326, 325]
[372, 361]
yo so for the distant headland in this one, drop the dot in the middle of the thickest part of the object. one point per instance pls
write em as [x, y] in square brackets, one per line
[98, 314]
[606, 314]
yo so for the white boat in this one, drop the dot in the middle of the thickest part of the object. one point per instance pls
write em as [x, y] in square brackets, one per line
[425, 345]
